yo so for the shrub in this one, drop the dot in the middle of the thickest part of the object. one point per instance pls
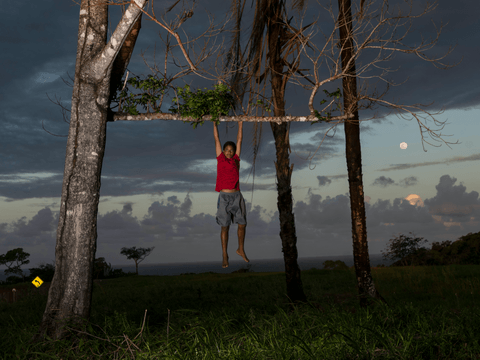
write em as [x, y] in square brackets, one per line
[335, 265]
[44, 272]
[403, 248]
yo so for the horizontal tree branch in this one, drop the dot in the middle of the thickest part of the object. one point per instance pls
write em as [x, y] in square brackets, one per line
[278, 119]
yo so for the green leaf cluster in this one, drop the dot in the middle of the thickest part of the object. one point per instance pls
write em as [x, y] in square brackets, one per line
[261, 103]
[195, 104]
[211, 102]
[337, 94]
[151, 86]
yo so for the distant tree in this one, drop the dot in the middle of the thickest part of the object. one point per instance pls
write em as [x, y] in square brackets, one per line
[102, 269]
[15, 255]
[465, 251]
[137, 255]
[401, 247]
[335, 265]
[13, 280]
[44, 272]
[440, 246]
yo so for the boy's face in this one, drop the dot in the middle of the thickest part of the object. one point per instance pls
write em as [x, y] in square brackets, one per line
[229, 152]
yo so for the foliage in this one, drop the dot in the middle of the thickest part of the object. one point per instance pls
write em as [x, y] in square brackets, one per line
[464, 251]
[337, 94]
[117, 273]
[335, 265]
[101, 268]
[12, 280]
[436, 246]
[212, 102]
[134, 253]
[401, 247]
[261, 103]
[15, 255]
[104, 270]
[44, 272]
[152, 85]
[137, 255]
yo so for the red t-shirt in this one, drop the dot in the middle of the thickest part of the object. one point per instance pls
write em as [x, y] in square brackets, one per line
[227, 173]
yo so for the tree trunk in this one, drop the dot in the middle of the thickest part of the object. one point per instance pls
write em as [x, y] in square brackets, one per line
[121, 62]
[353, 151]
[70, 293]
[284, 171]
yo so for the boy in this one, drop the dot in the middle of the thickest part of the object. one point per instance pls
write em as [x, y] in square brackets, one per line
[230, 205]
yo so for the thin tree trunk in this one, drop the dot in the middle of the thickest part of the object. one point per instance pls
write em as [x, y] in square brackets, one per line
[70, 293]
[121, 62]
[366, 286]
[284, 171]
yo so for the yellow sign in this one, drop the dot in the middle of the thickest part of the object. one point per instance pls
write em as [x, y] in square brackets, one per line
[37, 282]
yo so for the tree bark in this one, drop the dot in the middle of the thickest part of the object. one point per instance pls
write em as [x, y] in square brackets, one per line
[121, 62]
[70, 293]
[353, 152]
[118, 116]
[284, 171]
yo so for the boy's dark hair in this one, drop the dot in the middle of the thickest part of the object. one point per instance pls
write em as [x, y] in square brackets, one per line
[232, 144]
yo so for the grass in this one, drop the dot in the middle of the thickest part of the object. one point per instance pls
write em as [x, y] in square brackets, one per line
[434, 313]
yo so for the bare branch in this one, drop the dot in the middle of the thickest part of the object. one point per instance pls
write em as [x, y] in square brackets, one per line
[330, 53]
[236, 118]
[416, 106]
[365, 36]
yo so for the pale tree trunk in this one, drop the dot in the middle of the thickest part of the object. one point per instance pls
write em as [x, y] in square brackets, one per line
[284, 171]
[121, 62]
[353, 151]
[70, 294]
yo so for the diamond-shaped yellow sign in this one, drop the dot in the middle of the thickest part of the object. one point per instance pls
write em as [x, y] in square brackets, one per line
[37, 282]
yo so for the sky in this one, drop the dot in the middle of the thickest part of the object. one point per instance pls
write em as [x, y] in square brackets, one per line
[158, 177]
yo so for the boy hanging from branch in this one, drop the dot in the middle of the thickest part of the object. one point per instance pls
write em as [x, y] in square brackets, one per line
[230, 205]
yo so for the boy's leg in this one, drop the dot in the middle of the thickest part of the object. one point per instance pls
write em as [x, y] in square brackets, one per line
[224, 237]
[241, 241]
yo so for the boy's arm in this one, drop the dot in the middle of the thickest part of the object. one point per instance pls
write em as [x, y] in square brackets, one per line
[239, 137]
[218, 146]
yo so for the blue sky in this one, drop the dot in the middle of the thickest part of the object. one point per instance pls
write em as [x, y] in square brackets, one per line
[158, 177]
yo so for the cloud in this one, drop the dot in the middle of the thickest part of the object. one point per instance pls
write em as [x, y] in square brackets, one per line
[457, 159]
[323, 227]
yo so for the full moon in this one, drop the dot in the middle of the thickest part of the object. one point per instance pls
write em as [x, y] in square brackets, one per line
[414, 199]
[403, 145]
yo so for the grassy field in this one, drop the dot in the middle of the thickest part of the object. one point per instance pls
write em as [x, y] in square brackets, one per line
[433, 313]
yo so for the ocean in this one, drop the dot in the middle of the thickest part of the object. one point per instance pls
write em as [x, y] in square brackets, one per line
[263, 265]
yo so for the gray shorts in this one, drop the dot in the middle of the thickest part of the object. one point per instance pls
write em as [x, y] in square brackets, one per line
[231, 209]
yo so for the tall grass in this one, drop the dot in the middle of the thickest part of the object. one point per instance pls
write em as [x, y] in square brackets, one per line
[433, 313]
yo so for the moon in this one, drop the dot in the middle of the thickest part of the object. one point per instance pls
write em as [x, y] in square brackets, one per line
[403, 145]
[414, 199]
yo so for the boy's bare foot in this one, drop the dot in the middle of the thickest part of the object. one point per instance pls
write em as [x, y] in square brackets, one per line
[225, 262]
[242, 254]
